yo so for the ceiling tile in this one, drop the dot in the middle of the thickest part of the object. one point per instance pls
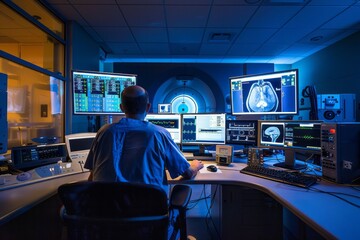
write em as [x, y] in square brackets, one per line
[155, 48]
[115, 34]
[214, 48]
[187, 16]
[272, 16]
[310, 18]
[125, 48]
[102, 15]
[288, 36]
[230, 16]
[184, 48]
[255, 35]
[69, 13]
[185, 35]
[188, 2]
[150, 35]
[256, 30]
[243, 49]
[140, 2]
[331, 2]
[144, 15]
[350, 18]
[270, 49]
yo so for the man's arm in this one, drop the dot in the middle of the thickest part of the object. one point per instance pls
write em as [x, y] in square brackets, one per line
[194, 168]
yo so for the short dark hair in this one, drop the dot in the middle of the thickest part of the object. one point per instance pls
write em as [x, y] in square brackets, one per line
[134, 101]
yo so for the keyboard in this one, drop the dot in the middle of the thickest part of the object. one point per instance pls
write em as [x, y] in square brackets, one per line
[283, 176]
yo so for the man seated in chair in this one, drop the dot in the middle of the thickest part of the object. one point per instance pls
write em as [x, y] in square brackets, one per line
[134, 150]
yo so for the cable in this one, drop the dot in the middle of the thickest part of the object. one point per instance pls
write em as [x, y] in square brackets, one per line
[335, 194]
[310, 92]
[208, 215]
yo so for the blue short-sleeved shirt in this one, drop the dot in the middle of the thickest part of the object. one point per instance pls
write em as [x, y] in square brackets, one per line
[135, 151]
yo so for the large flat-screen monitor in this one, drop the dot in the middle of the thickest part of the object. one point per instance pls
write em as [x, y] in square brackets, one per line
[171, 122]
[99, 93]
[265, 94]
[292, 137]
[203, 128]
[241, 132]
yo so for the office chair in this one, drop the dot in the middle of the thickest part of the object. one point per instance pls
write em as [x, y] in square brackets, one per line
[114, 210]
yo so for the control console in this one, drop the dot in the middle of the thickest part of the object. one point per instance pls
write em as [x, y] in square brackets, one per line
[40, 174]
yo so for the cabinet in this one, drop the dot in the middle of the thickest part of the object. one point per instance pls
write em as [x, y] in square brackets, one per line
[245, 213]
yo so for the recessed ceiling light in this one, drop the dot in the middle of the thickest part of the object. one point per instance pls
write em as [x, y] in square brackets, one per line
[220, 37]
[316, 38]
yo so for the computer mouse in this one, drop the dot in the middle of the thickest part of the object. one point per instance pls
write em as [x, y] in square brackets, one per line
[211, 168]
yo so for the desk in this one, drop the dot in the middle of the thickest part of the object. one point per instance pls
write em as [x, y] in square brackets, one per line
[16, 201]
[331, 217]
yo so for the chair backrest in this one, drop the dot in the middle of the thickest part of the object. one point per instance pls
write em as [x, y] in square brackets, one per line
[108, 210]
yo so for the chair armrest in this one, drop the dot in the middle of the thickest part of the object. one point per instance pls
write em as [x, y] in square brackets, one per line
[180, 196]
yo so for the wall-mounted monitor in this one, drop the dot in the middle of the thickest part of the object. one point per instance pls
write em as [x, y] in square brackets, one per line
[241, 132]
[203, 129]
[99, 93]
[292, 137]
[265, 94]
[171, 122]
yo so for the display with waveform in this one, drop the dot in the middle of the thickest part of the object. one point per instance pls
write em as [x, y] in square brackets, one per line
[165, 123]
[306, 137]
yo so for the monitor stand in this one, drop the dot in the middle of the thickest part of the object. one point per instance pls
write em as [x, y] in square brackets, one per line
[290, 162]
[202, 152]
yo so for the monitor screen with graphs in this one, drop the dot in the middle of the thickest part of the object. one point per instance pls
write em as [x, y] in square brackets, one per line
[241, 132]
[99, 93]
[171, 122]
[207, 129]
[292, 137]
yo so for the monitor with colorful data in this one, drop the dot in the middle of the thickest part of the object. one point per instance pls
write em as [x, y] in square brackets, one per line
[99, 93]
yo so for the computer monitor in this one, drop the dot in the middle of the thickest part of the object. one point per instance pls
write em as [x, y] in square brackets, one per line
[265, 94]
[292, 137]
[99, 93]
[241, 132]
[203, 128]
[171, 122]
[164, 108]
[78, 145]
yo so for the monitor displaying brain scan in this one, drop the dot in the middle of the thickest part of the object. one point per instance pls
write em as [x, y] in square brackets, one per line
[270, 93]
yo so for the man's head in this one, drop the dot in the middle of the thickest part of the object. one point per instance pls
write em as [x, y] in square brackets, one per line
[135, 102]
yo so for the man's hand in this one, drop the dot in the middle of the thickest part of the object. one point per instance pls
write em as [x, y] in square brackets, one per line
[194, 168]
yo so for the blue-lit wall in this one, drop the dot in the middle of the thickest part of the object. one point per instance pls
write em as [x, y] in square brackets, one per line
[207, 83]
[82, 55]
[333, 70]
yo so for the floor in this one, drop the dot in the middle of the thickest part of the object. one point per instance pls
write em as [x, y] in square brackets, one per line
[201, 229]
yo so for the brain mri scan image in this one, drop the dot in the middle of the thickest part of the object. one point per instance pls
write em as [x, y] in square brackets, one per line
[273, 133]
[262, 97]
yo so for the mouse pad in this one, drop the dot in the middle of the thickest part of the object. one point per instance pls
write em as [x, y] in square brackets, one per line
[204, 170]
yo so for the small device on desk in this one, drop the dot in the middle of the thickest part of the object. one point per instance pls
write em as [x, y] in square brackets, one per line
[32, 156]
[78, 145]
[255, 156]
[224, 154]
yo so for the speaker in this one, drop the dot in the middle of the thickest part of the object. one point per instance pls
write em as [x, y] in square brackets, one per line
[336, 107]
[3, 113]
